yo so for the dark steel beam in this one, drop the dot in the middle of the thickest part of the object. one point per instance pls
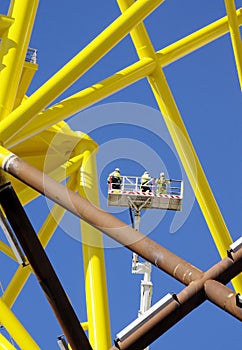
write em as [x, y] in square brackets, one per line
[188, 299]
[42, 268]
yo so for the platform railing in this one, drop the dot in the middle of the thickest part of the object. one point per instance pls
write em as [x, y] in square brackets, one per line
[133, 184]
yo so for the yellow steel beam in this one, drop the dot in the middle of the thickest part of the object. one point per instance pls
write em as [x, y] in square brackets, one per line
[5, 23]
[196, 40]
[14, 46]
[16, 329]
[93, 258]
[16, 284]
[67, 169]
[27, 75]
[45, 233]
[85, 98]
[7, 250]
[124, 78]
[50, 151]
[183, 144]
[84, 326]
[76, 67]
[5, 344]
[235, 36]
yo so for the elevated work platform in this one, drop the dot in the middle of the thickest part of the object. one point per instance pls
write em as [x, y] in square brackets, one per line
[131, 194]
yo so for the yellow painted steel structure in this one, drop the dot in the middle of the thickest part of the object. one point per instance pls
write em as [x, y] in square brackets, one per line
[15, 328]
[93, 257]
[235, 36]
[38, 133]
[5, 344]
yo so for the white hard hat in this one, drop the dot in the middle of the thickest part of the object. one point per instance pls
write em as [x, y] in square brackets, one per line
[162, 174]
[117, 169]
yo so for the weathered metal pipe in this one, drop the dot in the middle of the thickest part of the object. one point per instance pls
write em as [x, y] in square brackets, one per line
[43, 269]
[105, 222]
[187, 300]
[184, 302]
[223, 297]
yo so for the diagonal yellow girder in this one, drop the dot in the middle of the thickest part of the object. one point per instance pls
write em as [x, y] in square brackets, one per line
[16, 329]
[19, 127]
[14, 46]
[235, 36]
[5, 344]
[75, 68]
[123, 78]
[183, 144]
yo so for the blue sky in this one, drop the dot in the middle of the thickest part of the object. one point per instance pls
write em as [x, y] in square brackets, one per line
[130, 132]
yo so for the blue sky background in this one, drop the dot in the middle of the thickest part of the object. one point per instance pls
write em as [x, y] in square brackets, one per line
[130, 132]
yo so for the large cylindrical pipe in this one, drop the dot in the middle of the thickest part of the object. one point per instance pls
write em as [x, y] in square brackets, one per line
[105, 222]
[43, 269]
[223, 297]
[187, 300]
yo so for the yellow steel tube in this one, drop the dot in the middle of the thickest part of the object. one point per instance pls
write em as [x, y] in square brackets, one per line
[67, 169]
[45, 233]
[7, 250]
[51, 223]
[84, 326]
[13, 50]
[16, 329]
[183, 145]
[76, 67]
[16, 284]
[94, 266]
[5, 23]
[5, 344]
[85, 98]
[124, 78]
[235, 36]
[195, 40]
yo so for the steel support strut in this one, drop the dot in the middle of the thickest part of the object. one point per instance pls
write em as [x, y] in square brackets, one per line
[187, 300]
[191, 297]
[43, 269]
[105, 222]
[182, 142]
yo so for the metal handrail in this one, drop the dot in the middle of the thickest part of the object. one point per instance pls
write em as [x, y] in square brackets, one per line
[31, 55]
[133, 183]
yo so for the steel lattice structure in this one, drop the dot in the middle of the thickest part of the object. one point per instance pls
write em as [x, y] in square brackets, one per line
[31, 123]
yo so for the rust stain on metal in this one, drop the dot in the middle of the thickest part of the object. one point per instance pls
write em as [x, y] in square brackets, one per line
[199, 285]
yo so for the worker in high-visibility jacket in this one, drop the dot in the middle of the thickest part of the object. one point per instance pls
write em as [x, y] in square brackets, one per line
[162, 184]
[115, 179]
[145, 182]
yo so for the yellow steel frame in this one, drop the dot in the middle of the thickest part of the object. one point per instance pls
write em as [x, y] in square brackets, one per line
[5, 344]
[29, 126]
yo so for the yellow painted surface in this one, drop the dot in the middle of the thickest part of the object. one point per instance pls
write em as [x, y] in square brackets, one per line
[42, 138]
[5, 344]
[15, 328]
[94, 265]
[183, 144]
[75, 68]
[235, 36]
[5, 23]
[14, 46]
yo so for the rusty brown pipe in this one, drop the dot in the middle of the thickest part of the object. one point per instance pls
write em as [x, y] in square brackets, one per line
[184, 302]
[223, 297]
[105, 222]
[43, 269]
